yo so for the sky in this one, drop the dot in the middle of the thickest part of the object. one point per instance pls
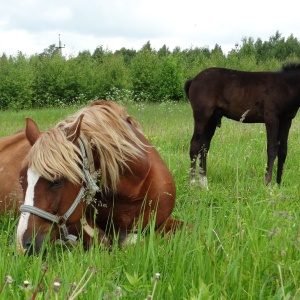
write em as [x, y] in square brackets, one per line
[30, 26]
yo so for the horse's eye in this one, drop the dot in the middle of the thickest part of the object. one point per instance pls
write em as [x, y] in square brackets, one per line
[56, 183]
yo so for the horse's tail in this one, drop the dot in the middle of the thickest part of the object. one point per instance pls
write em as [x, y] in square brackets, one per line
[187, 86]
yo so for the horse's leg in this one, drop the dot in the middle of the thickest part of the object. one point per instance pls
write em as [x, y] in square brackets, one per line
[283, 134]
[272, 147]
[91, 231]
[127, 238]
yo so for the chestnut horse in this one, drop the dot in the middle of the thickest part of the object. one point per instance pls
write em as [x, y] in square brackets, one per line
[94, 171]
[13, 150]
[272, 98]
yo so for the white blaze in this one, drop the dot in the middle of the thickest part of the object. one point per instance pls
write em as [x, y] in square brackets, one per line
[32, 178]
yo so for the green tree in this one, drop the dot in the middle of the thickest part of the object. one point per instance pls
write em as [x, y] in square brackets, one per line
[54, 82]
[144, 72]
[128, 54]
[50, 51]
[113, 72]
[169, 79]
[15, 82]
[163, 51]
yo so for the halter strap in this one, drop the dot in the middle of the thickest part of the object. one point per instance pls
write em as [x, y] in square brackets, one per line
[89, 172]
[91, 188]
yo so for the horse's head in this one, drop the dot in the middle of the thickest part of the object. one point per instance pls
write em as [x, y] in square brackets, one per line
[52, 195]
[61, 168]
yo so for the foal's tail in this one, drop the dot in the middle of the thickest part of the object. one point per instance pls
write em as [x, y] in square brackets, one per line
[187, 86]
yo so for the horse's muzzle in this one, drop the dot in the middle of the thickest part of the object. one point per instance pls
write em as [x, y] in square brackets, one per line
[31, 245]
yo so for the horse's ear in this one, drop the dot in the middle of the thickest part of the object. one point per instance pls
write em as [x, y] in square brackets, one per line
[73, 132]
[32, 131]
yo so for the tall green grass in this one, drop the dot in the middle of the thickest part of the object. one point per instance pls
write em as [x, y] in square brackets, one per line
[246, 239]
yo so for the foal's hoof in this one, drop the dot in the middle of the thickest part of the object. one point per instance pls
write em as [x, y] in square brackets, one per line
[193, 181]
[203, 182]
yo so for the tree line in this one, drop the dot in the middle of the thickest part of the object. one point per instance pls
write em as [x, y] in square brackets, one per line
[51, 79]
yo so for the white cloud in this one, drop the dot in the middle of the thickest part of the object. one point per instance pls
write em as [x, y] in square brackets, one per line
[33, 25]
[62, 14]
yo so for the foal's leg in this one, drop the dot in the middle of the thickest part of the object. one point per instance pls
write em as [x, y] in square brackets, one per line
[200, 143]
[196, 147]
[283, 134]
[272, 147]
[208, 133]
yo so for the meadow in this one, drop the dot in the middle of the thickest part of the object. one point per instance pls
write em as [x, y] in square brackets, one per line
[246, 238]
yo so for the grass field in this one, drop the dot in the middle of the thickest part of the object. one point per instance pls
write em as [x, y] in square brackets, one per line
[246, 239]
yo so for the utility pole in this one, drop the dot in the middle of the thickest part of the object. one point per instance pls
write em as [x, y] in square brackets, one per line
[60, 45]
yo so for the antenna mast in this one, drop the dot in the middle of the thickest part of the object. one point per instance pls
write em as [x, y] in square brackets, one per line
[60, 46]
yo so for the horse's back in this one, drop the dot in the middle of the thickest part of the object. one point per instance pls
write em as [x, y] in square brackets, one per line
[13, 150]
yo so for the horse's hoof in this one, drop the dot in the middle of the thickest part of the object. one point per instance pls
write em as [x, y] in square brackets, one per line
[128, 239]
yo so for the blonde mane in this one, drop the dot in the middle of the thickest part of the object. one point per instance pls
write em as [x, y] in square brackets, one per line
[108, 128]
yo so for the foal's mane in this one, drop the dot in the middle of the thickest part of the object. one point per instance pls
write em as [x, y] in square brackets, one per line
[290, 67]
[109, 131]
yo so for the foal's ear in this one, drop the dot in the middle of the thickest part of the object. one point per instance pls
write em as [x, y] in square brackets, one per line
[32, 131]
[73, 132]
